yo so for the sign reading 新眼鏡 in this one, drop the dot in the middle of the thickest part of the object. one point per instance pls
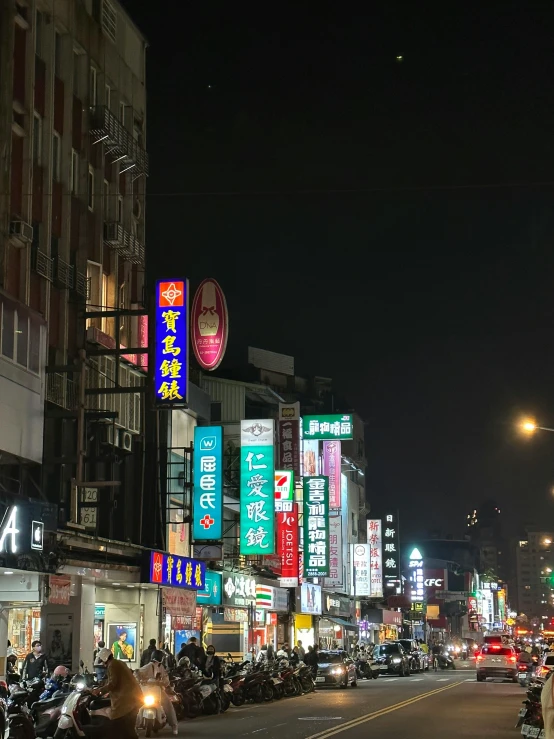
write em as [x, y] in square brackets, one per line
[257, 487]
[316, 526]
[328, 427]
[207, 522]
[171, 342]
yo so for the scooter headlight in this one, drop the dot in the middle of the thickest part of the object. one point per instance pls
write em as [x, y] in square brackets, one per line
[64, 709]
[80, 686]
[149, 700]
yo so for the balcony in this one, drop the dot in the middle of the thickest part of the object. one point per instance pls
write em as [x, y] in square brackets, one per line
[64, 273]
[123, 242]
[119, 142]
[43, 264]
[82, 285]
[61, 391]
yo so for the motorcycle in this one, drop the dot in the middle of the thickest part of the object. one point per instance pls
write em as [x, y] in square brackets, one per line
[445, 661]
[151, 716]
[20, 721]
[84, 714]
[530, 716]
[525, 671]
[306, 677]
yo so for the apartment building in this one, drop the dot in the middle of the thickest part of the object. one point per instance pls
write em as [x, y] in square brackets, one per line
[535, 565]
[72, 136]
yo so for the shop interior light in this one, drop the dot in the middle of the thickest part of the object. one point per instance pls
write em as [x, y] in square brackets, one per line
[8, 572]
[116, 583]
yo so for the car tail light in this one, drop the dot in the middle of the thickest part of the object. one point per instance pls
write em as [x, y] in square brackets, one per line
[513, 659]
[479, 657]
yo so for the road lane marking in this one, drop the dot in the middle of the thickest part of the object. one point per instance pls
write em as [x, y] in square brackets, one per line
[381, 712]
[442, 679]
[471, 680]
[317, 718]
[416, 680]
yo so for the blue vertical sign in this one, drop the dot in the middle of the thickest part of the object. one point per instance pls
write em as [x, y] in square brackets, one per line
[171, 342]
[207, 522]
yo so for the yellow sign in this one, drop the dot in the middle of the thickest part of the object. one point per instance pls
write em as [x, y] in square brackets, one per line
[510, 622]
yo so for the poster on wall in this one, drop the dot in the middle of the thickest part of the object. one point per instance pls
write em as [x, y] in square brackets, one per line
[59, 638]
[122, 640]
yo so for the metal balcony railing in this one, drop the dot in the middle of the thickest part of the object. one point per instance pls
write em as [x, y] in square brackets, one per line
[126, 245]
[119, 142]
[82, 285]
[61, 391]
[65, 273]
[43, 264]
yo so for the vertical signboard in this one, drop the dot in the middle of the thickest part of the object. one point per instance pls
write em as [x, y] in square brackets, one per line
[415, 567]
[284, 485]
[374, 539]
[332, 468]
[257, 479]
[171, 342]
[310, 458]
[287, 544]
[289, 437]
[361, 570]
[391, 549]
[209, 324]
[316, 526]
[207, 507]
[335, 581]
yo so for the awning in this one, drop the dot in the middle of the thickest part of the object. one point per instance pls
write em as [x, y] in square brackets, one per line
[342, 622]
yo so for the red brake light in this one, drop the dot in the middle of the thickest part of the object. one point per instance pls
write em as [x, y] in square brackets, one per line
[479, 657]
[494, 646]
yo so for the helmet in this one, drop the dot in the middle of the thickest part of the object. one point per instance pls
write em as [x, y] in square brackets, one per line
[157, 656]
[184, 662]
[103, 656]
[61, 671]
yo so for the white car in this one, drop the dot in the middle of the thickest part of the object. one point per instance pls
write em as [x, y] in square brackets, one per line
[546, 665]
[497, 660]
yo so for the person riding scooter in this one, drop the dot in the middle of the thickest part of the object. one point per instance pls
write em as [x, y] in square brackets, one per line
[155, 670]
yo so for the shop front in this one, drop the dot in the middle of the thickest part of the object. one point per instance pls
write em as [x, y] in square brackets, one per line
[230, 628]
[308, 609]
[336, 630]
[380, 626]
[272, 620]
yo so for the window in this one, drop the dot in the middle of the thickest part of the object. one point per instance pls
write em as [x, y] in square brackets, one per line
[56, 155]
[39, 32]
[90, 190]
[37, 139]
[58, 55]
[8, 317]
[106, 203]
[22, 333]
[109, 20]
[108, 96]
[94, 280]
[122, 107]
[74, 178]
[92, 86]
[120, 208]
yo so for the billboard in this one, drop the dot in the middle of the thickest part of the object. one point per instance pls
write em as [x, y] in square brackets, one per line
[361, 570]
[171, 342]
[335, 580]
[391, 549]
[209, 324]
[176, 572]
[316, 526]
[207, 508]
[332, 468]
[257, 487]
[287, 545]
[308, 597]
[328, 427]
[374, 539]
[289, 437]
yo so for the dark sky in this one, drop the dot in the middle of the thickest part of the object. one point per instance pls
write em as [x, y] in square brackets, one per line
[389, 224]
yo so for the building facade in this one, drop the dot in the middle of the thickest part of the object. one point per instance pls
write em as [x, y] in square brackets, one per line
[534, 567]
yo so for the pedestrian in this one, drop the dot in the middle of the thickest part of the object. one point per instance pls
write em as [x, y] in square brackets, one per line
[262, 654]
[100, 646]
[35, 662]
[146, 656]
[295, 656]
[155, 670]
[301, 650]
[212, 664]
[125, 695]
[182, 653]
[270, 653]
[194, 652]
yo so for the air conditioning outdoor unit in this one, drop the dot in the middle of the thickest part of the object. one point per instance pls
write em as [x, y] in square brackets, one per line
[126, 441]
[111, 435]
[21, 233]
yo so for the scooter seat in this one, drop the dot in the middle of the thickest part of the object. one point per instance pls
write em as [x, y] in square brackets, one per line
[53, 701]
[19, 694]
[98, 703]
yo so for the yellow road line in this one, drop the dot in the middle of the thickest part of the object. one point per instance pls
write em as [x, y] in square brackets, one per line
[381, 712]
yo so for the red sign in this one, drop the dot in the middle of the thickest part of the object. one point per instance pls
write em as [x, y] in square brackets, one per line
[287, 542]
[157, 567]
[209, 324]
[171, 294]
[60, 590]
[289, 446]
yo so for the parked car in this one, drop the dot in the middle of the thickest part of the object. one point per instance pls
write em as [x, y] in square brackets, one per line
[391, 659]
[496, 660]
[546, 665]
[336, 669]
[419, 661]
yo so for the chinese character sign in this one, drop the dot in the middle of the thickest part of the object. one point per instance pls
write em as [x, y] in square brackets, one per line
[177, 572]
[208, 483]
[171, 342]
[289, 445]
[332, 468]
[328, 427]
[416, 578]
[375, 541]
[361, 570]
[257, 487]
[287, 545]
[209, 324]
[336, 575]
[316, 526]
[391, 549]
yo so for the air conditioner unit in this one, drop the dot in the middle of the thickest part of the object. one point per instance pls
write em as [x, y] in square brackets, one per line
[126, 441]
[111, 435]
[21, 233]
[112, 233]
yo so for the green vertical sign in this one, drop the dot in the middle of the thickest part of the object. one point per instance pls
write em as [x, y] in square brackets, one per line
[257, 481]
[316, 526]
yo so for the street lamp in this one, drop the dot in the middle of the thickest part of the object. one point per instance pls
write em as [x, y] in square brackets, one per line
[528, 426]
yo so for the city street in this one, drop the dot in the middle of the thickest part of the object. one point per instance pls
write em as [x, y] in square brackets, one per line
[421, 705]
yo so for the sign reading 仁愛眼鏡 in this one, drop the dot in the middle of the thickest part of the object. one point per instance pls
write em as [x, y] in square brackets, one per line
[316, 526]
[257, 487]
[171, 342]
[328, 427]
[208, 484]
[209, 324]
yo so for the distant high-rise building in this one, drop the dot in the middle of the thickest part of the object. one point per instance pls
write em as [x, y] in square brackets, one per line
[535, 564]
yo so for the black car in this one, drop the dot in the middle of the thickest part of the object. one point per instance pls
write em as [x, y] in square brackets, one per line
[391, 659]
[419, 661]
[335, 669]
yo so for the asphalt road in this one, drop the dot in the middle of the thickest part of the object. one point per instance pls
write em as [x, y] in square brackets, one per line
[421, 706]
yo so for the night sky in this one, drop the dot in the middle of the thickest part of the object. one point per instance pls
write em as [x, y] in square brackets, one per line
[390, 223]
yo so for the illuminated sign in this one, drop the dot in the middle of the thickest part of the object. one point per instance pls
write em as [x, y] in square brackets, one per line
[434, 582]
[375, 541]
[328, 427]
[257, 482]
[331, 467]
[289, 437]
[336, 574]
[177, 572]
[207, 509]
[391, 549]
[238, 590]
[416, 579]
[17, 534]
[211, 594]
[287, 545]
[361, 569]
[284, 485]
[316, 526]
[209, 325]
[171, 342]
[308, 597]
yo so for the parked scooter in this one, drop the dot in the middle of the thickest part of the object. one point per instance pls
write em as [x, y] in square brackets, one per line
[84, 715]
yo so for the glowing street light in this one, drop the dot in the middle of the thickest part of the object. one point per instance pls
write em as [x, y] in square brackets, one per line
[547, 541]
[528, 426]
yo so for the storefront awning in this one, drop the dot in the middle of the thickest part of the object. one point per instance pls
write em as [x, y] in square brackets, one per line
[341, 622]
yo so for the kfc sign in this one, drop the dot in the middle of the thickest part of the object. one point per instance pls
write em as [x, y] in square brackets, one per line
[434, 582]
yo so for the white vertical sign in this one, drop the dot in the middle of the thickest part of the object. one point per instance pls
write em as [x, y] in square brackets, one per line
[375, 541]
[361, 570]
[336, 569]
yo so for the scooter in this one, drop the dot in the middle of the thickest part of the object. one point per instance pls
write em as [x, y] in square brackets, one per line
[446, 661]
[151, 715]
[84, 714]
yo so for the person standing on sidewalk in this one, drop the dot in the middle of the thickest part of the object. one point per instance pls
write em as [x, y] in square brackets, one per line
[125, 695]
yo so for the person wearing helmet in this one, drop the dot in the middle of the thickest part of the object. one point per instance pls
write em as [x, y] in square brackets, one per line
[155, 670]
[125, 694]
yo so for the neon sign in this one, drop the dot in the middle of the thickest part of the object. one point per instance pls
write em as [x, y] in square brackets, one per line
[171, 342]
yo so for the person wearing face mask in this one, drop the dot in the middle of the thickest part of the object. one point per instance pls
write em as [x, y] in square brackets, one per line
[212, 665]
[155, 670]
[35, 662]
